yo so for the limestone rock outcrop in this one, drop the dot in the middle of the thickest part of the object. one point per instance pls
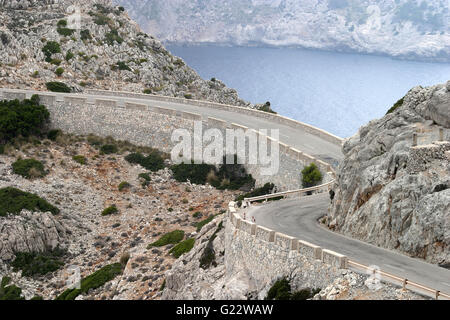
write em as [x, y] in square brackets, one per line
[393, 194]
[29, 232]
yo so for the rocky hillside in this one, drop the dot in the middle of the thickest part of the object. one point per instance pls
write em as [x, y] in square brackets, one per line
[40, 42]
[411, 29]
[392, 194]
[149, 205]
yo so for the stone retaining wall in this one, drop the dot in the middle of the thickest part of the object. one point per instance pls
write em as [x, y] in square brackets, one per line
[269, 255]
[153, 126]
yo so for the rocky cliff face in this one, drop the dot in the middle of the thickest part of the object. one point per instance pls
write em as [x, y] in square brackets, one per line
[98, 46]
[392, 194]
[401, 28]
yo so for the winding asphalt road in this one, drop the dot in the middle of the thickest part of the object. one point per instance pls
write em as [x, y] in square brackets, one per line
[299, 218]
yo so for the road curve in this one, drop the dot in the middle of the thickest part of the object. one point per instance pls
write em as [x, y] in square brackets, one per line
[294, 137]
[298, 218]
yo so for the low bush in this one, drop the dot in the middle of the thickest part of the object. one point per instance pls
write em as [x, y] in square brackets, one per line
[197, 214]
[113, 36]
[80, 159]
[57, 87]
[228, 176]
[59, 71]
[110, 210]
[56, 62]
[202, 223]
[69, 55]
[34, 263]
[153, 162]
[147, 91]
[14, 201]
[66, 32]
[173, 237]
[281, 290]
[50, 48]
[109, 149]
[311, 176]
[266, 189]
[9, 292]
[182, 248]
[93, 281]
[397, 105]
[53, 134]
[61, 23]
[123, 66]
[22, 118]
[188, 96]
[85, 35]
[29, 168]
[124, 185]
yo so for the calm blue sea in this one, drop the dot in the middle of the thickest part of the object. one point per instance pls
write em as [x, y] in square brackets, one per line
[333, 91]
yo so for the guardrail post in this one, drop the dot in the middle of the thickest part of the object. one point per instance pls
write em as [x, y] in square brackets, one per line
[414, 140]
[437, 294]
[405, 282]
[441, 134]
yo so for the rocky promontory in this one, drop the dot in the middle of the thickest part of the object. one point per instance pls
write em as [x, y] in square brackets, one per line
[394, 192]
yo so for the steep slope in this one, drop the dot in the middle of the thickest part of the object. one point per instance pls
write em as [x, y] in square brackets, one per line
[40, 42]
[401, 28]
[393, 194]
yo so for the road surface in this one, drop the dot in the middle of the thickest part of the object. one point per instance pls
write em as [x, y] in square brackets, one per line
[299, 218]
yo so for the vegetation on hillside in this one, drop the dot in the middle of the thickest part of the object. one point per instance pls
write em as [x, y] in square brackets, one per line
[14, 201]
[93, 281]
[281, 290]
[33, 263]
[182, 248]
[29, 168]
[22, 119]
[397, 105]
[9, 292]
[153, 162]
[173, 237]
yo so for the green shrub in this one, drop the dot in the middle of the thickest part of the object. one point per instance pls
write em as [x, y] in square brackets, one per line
[110, 210]
[11, 292]
[29, 168]
[59, 71]
[14, 201]
[66, 32]
[93, 281]
[397, 105]
[53, 134]
[311, 175]
[113, 36]
[24, 119]
[69, 55]
[123, 66]
[85, 35]
[56, 62]
[62, 23]
[267, 108]
[80, 159]
[124, 185]
[188, 96]
[33, 263]
[153, 162]
[147, 91]
[57, 87]
[197, 214]
[195, 173]
[281, 290]
[202, 223]
[109, 149]
[145, 176]
[182, 248]
[169, 238]
[51, 48]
